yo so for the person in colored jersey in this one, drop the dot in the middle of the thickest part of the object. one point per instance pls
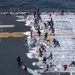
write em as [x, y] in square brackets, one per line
[31, 32]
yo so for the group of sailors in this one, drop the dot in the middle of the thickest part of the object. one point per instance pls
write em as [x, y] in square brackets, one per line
[42, 49]
[47, 41]
[50, 25]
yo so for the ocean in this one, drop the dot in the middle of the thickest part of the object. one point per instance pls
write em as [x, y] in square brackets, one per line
[24, 5]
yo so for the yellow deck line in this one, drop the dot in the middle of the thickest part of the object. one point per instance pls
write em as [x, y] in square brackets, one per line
[13, 34]
[19, 34]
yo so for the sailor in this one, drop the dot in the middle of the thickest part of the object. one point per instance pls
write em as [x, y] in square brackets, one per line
[48, 38]
[48, 23]
[24, 66]
[19, 60]
[46, 67]
[34, 13]
[52, 30]
[51, 65]
[44, 60]
[40, 52]
[72, 63]
[46, 34]
[62, 12]
[38, 28]
[56, 43]
[34, 42]
[50, 56]
[31, 32]
[35, 21]
[52, 22]
[43, 47]
[50, 14]
[45, 25]
[38, 14]
[65, 67]
[39, 33]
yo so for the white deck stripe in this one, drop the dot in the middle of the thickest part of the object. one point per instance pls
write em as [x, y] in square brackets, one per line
[6, 26]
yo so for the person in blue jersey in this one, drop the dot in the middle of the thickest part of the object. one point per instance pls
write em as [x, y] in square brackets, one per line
[56, 43]
[48, 23]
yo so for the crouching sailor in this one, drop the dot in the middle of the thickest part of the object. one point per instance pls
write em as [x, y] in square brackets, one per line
[72, 63]
[56, 43]
[46, 67]
[23, 66]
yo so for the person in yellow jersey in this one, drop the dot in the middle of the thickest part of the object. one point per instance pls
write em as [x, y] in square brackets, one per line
[48, 38]
[40, 52]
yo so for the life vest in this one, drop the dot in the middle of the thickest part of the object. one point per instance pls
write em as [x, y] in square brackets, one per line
[48, 39]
